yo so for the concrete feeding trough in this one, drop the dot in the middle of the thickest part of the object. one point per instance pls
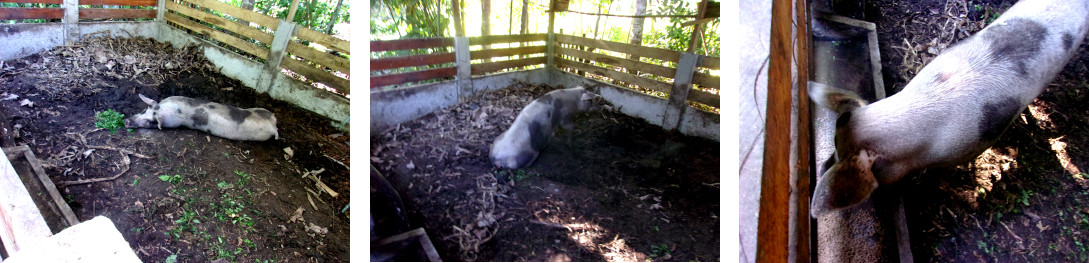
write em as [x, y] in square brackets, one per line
[845, 55]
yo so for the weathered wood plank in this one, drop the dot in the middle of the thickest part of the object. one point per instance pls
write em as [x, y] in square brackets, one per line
[498, 39]
[709, 62]
[503, 52]
[401, 78]
[219, 21]
[496, 66]
[620, 62]
[323, 39]
[54, 2]
[120, 2]
[617, 75]
[339, 84]
[705, 80]
[658, 53]
[313, 55]
[773, 227]
[46, 184]
[412, 43]
[238, 12]
[247, 47]
[704, 97]
[31, 13]
[411, 61]
[108, 13]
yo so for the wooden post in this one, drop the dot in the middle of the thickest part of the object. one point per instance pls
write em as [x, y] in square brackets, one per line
[551, 43]
[802, 175]
[682, 83]
[462, 60]
[71, 21]
[160, 10]
[697, 32]
[291, 12]
[772, 224]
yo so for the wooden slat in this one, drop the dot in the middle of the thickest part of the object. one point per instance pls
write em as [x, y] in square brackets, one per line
[709, 62]
[620, 62]
[238, 12]
[219, 21]
[704, 97]
[705, 80]
[402, 78]
[120, 2]
[318, 57]
[339, 84]
[621, 76]
[412, 43]
[658, 53]
[31, 13]
[54, 2]
[503, 52]
[772, 236]
[412, 61]
[107, 13]
[497, 39]
[496, 66]
[247, 47]
[46, 184]
[329, 41]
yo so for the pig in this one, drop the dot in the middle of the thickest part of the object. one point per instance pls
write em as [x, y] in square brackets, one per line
[954, 109]
[519, 146]
[254, 124]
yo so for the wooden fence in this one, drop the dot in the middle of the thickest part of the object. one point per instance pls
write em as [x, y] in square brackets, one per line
[127, 9]
[571, 53]
[436, 64]
[256, 39]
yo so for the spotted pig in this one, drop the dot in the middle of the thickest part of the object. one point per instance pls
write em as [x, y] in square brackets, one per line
[254, 124]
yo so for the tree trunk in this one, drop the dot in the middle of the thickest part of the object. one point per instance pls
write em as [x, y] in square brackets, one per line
[598, 23]
[332, 18]
[510, 19]
[637, 29]
[525, 17]
[459, 27]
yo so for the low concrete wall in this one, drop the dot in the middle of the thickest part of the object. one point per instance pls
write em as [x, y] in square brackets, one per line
[22, 40]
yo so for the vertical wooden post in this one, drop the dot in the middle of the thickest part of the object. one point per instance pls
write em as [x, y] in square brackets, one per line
[462, 61]
[551, 44]
[291, 12]
[802, 175]
[697, 31]
[160, 10]
[772, 224]
[71, 21]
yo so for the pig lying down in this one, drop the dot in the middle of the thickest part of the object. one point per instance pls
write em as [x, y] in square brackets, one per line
[955, 108]
[522, 142]
[254, 124]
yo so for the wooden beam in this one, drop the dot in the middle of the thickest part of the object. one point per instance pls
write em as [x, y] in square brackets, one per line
[411, 61]
[291, 12]
[774, 213]
[506, 52]
[705, 80]
[247, 47]
[219, 21]
[496, 66]
[108, 13]
[619, 62]
[52, 2]
[238, 12]
[498, 39]
[326, 40]
[402, 78]
[657, 53]
[31, 13]
[120, 2]
[802, 247]
[339, 84]
[313, 55]
[617, 75]
[411, 43]
[704, 97]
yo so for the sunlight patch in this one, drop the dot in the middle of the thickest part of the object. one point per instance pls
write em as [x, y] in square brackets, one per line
[1059, 147]
[990, 166]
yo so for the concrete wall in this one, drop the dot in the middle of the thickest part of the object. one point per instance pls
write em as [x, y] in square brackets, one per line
[22, 40]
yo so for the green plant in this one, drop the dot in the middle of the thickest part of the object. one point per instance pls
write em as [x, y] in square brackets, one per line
[171, 259]
[243, 178]
[110, 119]
[135, 181]
[172, 179]
[658, 251]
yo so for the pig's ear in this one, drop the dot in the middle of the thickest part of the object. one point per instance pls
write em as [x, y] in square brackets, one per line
[588, 96]
[149, 102]
[837, 100]
[158, 120]
[846, 184]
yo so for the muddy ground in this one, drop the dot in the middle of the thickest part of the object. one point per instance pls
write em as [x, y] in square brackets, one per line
[1025, 198]
[178, 193]
[615, 189]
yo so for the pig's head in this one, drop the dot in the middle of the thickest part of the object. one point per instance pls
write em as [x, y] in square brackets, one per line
[851, 179]
[589, 101]
[146, 119]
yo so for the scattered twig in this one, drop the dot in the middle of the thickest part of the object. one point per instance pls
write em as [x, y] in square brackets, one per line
[125, 160]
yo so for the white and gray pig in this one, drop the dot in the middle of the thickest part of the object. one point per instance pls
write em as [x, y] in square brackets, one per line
[955, 108]
[520, 145]
[254, 124]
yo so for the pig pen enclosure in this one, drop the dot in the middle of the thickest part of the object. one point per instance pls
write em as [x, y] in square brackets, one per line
[619, 187]
[178, 194]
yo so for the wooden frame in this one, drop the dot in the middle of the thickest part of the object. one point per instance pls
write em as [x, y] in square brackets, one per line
[13, 13]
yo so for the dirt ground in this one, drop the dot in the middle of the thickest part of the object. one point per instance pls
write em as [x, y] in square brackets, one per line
[178, 193]
[1025, 198]
[615, 189]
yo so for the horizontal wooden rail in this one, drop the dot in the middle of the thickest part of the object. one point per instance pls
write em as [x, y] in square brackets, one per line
[31, 13]
[317, 75]
[52, 2]
[498, 39]
[617, 75]
[108, 13]
[619, 62]
[501, 65]
[313, 55]
[329, 41]
[120, 2]
[414, 43]
[709, 62]
[705, 80]
[412, 61]
[504, 52]
[219, 21]
[704, 97]
[658, 53]
[247, 47]
[401, 78]
[238, 12]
